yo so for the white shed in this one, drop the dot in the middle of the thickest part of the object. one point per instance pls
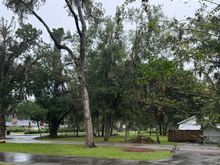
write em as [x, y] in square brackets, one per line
[211, 133]
[189, 124]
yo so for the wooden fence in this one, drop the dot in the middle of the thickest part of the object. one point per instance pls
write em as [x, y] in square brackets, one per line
[184, 135]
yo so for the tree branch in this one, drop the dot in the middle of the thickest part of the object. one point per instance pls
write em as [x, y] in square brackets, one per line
[200, 31]
[212, 2]
[81, 17]
[74, 15]
[61, 118]
[83, 33]
[58, 45]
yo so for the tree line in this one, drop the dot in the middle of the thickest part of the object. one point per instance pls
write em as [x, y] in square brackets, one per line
[103, 75]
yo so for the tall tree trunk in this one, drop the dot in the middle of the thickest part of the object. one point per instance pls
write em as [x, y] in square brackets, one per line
[53, 129]
[86, 111]
[78, 61]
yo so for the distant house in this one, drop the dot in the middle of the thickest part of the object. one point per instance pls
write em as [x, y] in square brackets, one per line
[189, 124]
[210, 133]
[21, 123]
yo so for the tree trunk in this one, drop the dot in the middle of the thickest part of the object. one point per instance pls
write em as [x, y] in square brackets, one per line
[86, 111]
[156, 126]
[160, 128]
[150, 129]
[111, 130]
[103, 128]
[77, 131]
[2, 126]
[53, 129]
[157, 133]
[107, 128]
[98, 127]
[126, 133]
[38, 126]
[165, 129]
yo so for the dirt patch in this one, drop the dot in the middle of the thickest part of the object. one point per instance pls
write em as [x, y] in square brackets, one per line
[129, 149]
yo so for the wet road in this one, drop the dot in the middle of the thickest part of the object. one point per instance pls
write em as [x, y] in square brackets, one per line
[192, 158]
[27, 159]
[181, 158]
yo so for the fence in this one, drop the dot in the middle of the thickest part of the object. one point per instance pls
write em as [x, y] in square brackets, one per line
[184, 135]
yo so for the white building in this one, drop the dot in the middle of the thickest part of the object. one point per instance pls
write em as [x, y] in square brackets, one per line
[189, 124]
[211, 133]
[21, 123]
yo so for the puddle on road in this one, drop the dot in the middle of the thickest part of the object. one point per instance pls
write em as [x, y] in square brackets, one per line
[15, 158]
[21, 158]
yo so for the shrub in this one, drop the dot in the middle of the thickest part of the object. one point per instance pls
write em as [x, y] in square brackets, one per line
[16, 129]
[142, 139]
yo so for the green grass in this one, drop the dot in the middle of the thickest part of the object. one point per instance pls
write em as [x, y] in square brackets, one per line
[114, 139]
[3, 163]
[77, 150]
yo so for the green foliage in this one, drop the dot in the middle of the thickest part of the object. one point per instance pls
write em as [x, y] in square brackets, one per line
[14, 46]
[31, 110]
[22, 7]
[157, 73]
[50, 82]
[160, 70]
[16, 129]
[104, 72]
[32, 131]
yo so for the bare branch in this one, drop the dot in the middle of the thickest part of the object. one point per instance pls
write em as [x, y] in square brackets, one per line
[74, 15]
[212, 2]
[81, 17]
[83, 32]
[62, 117]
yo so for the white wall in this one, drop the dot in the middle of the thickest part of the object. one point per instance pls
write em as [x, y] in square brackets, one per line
[212, 134]
[189, 125]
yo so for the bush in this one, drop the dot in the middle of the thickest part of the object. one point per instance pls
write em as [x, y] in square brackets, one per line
[69, 129]
[142, 139]
[16, 129]
[44, 130]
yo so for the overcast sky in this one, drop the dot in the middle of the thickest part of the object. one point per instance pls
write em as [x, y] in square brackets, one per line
[55, 16]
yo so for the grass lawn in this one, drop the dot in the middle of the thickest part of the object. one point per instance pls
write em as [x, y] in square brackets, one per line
[3, 163]
[114, 139]
[77, 150]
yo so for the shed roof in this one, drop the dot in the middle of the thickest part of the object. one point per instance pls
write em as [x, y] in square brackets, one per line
[192, 117]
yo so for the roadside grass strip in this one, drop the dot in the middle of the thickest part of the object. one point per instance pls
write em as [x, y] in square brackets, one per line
[81, 151]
